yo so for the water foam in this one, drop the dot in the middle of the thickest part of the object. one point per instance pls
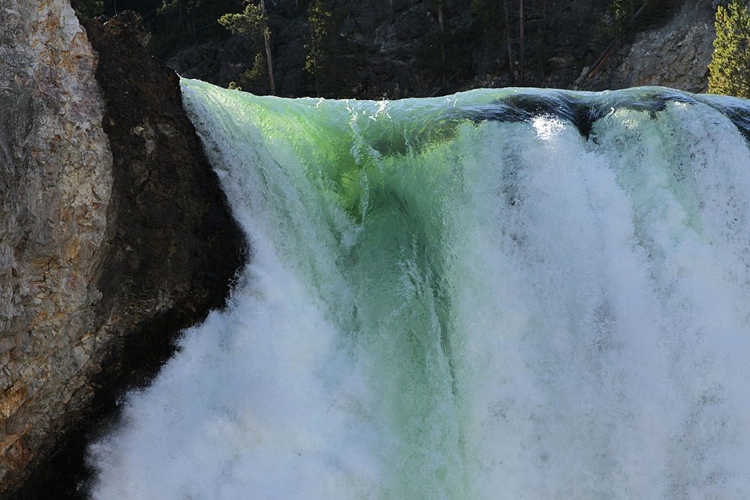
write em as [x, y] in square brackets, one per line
[447, 306]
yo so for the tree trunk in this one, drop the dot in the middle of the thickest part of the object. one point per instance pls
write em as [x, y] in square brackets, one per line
[317, 79]
[442, 47]
[508, 47]
[522, 69]
[267, 42]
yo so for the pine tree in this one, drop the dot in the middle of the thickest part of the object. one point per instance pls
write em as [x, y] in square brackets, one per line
[730, 64]
[254, 20]
[439, 6]
[88, 8]
[318, 18]
[494, 16]
[622, 19]
[177, 24]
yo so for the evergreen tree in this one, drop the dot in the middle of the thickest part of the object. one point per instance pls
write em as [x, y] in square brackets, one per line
[439, 6]
[251, 75]
[494, 18]
[730, 64]
[177, 24]
[622, 20]
[253, 20]
[318, 19]
[88, 8]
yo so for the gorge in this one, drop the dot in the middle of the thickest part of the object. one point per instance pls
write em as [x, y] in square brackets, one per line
[534, 292]
[114, 233]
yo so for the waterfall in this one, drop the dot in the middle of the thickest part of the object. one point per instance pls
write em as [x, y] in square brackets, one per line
[499, 294]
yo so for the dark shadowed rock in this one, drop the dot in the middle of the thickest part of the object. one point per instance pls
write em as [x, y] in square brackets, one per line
[172, 232]
[167, 252]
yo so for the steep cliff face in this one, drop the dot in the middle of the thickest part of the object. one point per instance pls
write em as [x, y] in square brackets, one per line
[55, 189]
[114, 233]
[674, 55]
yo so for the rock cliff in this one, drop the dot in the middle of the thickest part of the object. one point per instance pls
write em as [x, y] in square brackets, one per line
[114, 233]
[55, 190]
[674, 55]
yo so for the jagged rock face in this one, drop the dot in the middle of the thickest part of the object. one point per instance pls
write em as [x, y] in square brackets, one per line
[114, 232]
[172, 244]
[55, 188]
[675, 55]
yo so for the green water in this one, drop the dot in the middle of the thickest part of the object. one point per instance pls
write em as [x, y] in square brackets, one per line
[500, 294]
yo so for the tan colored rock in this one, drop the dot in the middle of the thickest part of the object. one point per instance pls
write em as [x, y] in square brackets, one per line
[114, 232]
[55, 188]
[675, 55]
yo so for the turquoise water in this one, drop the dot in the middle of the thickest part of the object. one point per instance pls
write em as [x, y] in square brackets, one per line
[499, 294]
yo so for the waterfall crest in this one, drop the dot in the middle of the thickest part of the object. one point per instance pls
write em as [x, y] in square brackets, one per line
[495, 294]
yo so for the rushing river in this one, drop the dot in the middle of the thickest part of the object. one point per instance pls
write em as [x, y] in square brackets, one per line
[495, 295]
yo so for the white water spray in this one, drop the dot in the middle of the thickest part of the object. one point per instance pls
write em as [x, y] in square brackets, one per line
[445, 306]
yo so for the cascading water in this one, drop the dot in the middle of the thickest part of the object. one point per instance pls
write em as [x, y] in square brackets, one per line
[499, 294]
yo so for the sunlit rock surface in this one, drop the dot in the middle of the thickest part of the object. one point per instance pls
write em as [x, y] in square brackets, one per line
[114, 234]
[55, 188]
[674, 55]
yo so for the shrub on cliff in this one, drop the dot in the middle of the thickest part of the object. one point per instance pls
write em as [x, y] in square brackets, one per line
[730, 65]
[88, 8]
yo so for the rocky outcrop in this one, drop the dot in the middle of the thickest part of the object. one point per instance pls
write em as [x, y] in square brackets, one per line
[55, 190]
[114, 233]
[675, 55]
[172, 245]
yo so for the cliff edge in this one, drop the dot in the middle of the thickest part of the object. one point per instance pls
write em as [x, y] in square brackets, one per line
[114, 232]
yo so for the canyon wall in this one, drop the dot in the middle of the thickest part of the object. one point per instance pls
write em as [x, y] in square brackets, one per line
[393, 48]
[55, 189]
[674, 55]
[114, 233]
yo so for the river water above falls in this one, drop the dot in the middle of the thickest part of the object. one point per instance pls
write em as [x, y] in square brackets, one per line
[499, 294]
